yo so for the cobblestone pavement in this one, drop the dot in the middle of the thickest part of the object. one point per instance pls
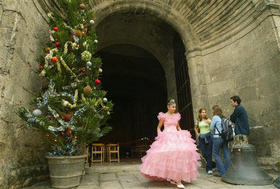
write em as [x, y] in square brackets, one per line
[128, 177]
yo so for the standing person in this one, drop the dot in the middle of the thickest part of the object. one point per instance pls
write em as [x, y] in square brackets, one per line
[218, 142]
[239, 117]
[173, 155]
[202, 131]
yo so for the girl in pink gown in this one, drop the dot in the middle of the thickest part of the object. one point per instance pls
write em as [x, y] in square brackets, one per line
[173, 155]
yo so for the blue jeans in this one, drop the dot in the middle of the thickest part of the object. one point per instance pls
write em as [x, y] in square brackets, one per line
[217, 145]
[206, 146]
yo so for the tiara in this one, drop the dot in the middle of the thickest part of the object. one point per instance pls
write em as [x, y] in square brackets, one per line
[172, 101]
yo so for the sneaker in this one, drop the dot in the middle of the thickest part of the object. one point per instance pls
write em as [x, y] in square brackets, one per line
[216, 175]
[210, 172]
[180, 186]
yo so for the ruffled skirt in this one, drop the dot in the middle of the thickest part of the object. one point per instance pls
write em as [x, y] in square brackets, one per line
[173, 156]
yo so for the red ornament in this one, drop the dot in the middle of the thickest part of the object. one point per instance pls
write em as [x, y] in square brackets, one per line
[62, 133]
[68, 132]
[55, 28]
[48, 135]
[50, 116]
[67, 117]
[97, 81]
[57, 44]
[85, 31]
[54, 59]
[41, 66]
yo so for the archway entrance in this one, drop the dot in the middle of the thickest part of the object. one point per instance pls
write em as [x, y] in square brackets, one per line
[144, 64]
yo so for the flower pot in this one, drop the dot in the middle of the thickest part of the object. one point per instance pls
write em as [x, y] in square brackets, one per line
[66, 171]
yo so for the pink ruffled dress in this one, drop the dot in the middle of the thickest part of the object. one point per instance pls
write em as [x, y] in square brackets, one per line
[173, 155]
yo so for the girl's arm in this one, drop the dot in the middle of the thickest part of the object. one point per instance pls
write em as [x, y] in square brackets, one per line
[160, 124]
[178, 127]
[196, 131]
[208, 121]
[213, 124]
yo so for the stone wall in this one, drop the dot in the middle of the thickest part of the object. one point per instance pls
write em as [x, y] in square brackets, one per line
[23, 30]
[246, 65]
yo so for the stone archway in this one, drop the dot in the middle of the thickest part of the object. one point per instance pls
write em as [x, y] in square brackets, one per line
[154, 35]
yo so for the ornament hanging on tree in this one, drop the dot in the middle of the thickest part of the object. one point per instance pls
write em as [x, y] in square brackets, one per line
[67, 117]
[91, 21]
[57, 44]
[54, 59]
[100, 70]
[97, 81]
[55, 28]
[89, 63]
[48, 135]
[86, 56]
[37, 112]
[105, 100]
[85, 31]
[50, 116]
[87, 90]
[68, 132]
[95, 41]
[41, 66]
[76, 39]
[82, 6]
[75, 46]
[78, 33]
[47, 49]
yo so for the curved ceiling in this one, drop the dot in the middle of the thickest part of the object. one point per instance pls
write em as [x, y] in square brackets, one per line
[201, 23]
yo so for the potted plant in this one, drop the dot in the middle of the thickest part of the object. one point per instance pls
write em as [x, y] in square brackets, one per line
[72, 109]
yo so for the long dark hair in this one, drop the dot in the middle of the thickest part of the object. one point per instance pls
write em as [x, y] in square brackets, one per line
[199, 114]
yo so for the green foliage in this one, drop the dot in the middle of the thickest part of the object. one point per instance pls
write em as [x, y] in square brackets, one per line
[73, 109]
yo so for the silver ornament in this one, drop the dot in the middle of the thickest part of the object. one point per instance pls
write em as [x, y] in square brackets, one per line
[89, 63]
[37, 112]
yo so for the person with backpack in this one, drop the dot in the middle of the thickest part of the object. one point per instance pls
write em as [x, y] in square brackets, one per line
[219, 143]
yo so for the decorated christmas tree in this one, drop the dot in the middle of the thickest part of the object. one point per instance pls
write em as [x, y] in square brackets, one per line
[72, 109]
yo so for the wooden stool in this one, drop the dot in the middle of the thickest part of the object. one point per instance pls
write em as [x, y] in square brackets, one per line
[87, 160]
[97, 153]
[113, 149]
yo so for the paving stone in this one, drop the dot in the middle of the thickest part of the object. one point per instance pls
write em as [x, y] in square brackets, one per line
[111, 185]
[108, 177]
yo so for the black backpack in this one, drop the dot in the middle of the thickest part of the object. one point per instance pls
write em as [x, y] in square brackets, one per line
[227, 132]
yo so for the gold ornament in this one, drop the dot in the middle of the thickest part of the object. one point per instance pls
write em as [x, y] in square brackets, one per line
[47, 49]
[87, 90]
[78, 33]
[82, 6]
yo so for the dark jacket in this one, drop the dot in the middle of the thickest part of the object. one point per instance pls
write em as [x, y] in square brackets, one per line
[240, 118]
